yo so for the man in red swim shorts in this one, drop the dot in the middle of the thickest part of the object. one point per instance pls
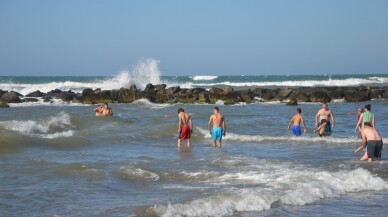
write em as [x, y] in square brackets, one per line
[185, 126]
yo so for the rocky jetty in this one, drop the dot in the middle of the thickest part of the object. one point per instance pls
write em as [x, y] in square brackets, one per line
[162, 94]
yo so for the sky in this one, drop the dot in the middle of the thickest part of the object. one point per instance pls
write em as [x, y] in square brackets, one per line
[201, 37]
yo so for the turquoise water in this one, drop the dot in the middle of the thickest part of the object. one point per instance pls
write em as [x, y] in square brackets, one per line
[61, 160]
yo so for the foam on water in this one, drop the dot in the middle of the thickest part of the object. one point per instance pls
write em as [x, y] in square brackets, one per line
[306, 83]
[50, 128]
[288, 185]
[204, 78]
[147, 103]
[263, 138]
[146, 71]
[135, 173]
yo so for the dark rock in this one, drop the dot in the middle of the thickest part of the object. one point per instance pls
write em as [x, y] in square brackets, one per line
[128, 95]
[149, 88]
[285, 93]
[228, 89]
[2, 92]
[35, 94]
[114, 95]
[78, 98]
[67, 96]
[87, 92]
[47, 98]
[163, 96]
[266, 94]
[292, 102]
[376, 93]
[198, 90]
[97, 90]
[4, 105]
[385, 94]
[99, 97]
[216, 90]
[353, 95]
[159, 87]
[245, 95]
[318, 95]
[10, 97]
[203, 97]
[29, 99]
[54, 93]
[173, 90]
[335, 92]
[299, 95]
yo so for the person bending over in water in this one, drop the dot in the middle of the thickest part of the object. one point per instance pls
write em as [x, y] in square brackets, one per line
[297, 119]
[365, 156]
[185, 126]
[219, 127]
[366, 116]
[322, 128]
[325, 114]
[372, 141]
[103, 110]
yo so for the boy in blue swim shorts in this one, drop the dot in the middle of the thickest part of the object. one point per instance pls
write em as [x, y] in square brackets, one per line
[297, 119]
[219, 127]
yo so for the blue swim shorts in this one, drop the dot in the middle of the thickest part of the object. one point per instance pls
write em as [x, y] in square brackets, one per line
[296, 130]
[217, 133]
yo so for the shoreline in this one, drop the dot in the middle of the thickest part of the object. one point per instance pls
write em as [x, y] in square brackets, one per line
[228, 95]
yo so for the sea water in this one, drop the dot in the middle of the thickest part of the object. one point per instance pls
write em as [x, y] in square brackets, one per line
[58, 159]
[63, 161]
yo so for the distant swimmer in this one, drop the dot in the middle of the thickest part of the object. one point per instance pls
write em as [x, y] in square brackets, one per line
[366, 116]
[325, 114]
[103, 111]
[321, 130]
[297, 119]
[219, 127]
[372, 142]
[185, 126]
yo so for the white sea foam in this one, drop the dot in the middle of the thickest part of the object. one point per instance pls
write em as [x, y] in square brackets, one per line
[138, 173]
[304, 139]
[306, 83]
[149, 104]
[146, 71]
[50, 128]
[284, 182]
[204, 78]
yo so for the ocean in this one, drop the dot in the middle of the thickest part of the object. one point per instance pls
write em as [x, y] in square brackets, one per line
[58, 159]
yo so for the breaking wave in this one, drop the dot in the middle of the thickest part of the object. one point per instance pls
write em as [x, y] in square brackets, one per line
[49, 128]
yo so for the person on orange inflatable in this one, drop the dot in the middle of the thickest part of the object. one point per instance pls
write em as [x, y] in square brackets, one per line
[185, 128]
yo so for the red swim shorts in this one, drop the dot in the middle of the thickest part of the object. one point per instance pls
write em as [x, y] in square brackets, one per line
[185, 132]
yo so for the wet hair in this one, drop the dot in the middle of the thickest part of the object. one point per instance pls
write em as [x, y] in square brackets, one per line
[367, 124]
[325, 104]
[216, 108]
[323, 121]
[369, 107]
[299, 110]
[180, 110]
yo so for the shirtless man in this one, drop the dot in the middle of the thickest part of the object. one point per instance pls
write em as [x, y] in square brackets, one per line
[373, 142]
[98, 110]
[103, 110]
[297, 119]
[185, 126]
[325, 114]
[219, 127]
